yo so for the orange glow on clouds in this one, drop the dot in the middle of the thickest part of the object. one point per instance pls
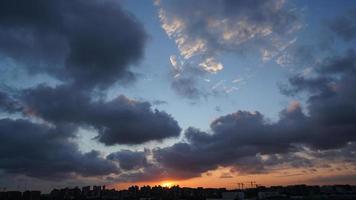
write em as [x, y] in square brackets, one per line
[214, 178]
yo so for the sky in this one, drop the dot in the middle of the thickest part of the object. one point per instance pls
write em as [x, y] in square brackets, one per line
[204, 93]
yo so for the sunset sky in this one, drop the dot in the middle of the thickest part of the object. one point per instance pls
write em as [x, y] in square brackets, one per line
[204, 93]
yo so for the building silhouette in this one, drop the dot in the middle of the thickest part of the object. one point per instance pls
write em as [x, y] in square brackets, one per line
[302, 192]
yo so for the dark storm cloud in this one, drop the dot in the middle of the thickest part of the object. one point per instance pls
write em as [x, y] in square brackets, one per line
[133, 123]
[345, 63]
[119, 121]
[235, 141]
[90, 43]
[250, 143]
[129, 160]
[301, 84]
[37, 150]
[332, 101]
[86, 45]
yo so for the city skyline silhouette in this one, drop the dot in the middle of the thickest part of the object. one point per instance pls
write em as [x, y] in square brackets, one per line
[231, 94]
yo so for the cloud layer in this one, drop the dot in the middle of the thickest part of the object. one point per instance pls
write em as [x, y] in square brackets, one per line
[204, 29]
[86, 46]
[87, 43]
[119, 121]
[41, 151]
[249, 143]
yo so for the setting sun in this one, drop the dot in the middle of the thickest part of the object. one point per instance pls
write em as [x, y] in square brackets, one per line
[167, 184]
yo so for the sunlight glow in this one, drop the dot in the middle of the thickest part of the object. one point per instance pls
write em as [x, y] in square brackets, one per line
[167, 184]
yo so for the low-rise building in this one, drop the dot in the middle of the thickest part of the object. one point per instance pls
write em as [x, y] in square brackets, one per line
[230, 196]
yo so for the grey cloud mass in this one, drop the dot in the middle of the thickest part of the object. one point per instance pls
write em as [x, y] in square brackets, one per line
[86, 46]
[89, 43]
[37, 150]
[129, 160]
[119, 121]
